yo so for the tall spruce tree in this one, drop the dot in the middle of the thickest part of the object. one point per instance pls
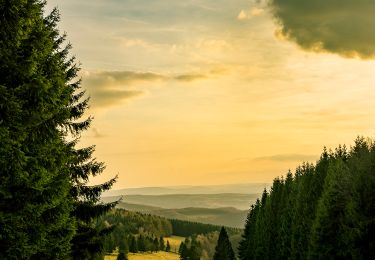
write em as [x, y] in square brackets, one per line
[223, 250]
[328, 228]
[246, 247]
[161, 244]
[168, 247]
[44, 197]
[35, 104]
[183, 251]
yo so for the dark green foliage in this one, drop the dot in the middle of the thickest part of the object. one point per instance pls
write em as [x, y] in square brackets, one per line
[183, 251]
[168, 247]
[327, 231]
[123, 247]
[247, 247]
[122, 256]
[141, 242]
[156, 244]
[194, 249]
[133, 247]
[46, 209]
[36, 92]
[185, 228]
[161, 244]
[223, 250]
[326, 211]
[190, 249]
[130, 224]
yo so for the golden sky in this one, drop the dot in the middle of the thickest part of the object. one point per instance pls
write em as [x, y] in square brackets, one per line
[213, 92]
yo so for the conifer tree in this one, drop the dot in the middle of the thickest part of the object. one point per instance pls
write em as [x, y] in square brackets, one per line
[122, 256]
[223, 250]
[123, 247]
[44, 197]
[304, 211]
[156, 244]
[35, 108]
[361, 208]
[141, 243]
[133, 247]
[246, 246]
[326, 237]
[168, 247]
[161, 244]
[285, 226]
[183, 251]
[194, 249]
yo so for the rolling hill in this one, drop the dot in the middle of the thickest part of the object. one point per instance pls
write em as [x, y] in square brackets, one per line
[178, 201]
[227, 216]
[244, 188]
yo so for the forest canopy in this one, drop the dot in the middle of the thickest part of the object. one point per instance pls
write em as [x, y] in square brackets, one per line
[322, 211]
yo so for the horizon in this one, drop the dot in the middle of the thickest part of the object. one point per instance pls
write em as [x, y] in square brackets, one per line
[202, 92]
[190, 185]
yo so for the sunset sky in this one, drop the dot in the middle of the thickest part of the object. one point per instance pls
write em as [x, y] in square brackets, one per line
[213, 92]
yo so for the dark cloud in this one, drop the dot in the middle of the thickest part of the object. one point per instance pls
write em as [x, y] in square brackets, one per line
[122, 78]
[344, 27]
[189, 77]
[108, 88]
[110, 97]
[288, 157]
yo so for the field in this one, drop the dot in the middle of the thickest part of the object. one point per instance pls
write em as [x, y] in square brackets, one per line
[148, 256]
[174, 242]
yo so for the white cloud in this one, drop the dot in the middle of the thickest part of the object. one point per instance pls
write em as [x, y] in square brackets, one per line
[248, 14]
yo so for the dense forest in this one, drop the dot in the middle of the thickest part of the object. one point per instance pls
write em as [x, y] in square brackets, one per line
[137, 232]
[187, 228]
[322, 211]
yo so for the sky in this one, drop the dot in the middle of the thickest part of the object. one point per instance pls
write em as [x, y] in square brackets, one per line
[201, 92]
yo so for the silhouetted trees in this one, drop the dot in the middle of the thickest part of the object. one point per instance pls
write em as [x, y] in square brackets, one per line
[190, 249]
[168, 247]
[223, 250]
[324, 211]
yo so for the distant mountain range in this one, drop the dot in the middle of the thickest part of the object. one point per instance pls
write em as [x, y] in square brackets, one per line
[215, 204]
[230, 217]
[244, 188]
[179, 201]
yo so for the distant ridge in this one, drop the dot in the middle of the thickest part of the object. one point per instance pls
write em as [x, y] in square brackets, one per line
[178, 201]
[227, 216]
[244, 188]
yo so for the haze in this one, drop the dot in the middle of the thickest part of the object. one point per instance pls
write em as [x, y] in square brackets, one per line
[213, 92]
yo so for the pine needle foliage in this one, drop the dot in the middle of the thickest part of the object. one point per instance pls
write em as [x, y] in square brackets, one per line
[47, 210]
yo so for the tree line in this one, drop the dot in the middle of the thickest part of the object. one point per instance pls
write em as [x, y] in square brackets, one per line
[186, 228]
[322, 211]
[140, 232]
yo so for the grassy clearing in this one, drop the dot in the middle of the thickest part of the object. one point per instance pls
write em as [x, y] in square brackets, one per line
[147, 256]
[175, 242]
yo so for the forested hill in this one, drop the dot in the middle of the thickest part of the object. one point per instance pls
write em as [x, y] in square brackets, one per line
[323, 211]
[127, 225]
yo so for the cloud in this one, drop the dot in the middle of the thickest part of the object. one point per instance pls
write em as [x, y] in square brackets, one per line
[108, 88]
[344, 27]
[119, 77]
[96, 133]
[248, 14]
[287, 157]
[189, 77]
